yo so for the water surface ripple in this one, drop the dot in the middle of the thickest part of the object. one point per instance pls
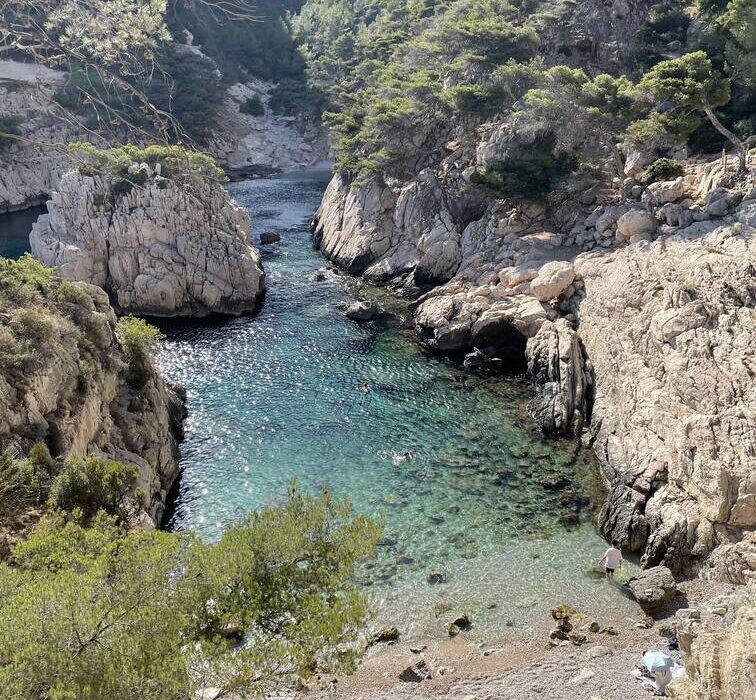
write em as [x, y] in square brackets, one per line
[466, 483]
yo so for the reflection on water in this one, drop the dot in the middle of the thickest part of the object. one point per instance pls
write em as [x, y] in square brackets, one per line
[466, 484]
[14, 231]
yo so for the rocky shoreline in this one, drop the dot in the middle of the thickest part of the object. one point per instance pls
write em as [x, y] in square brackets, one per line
[563, 287]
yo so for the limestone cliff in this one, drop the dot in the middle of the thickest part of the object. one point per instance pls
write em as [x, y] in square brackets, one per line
[670, 330]
[158, 246]
[31, 165]
[718, 639]
[65, 381]
[635, 312]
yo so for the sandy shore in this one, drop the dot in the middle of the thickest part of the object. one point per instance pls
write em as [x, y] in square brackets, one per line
[517, 668]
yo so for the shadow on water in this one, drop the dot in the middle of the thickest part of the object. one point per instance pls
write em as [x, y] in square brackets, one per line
[15, 228]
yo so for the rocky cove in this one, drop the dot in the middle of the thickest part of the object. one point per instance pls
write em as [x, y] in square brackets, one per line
[521, 323]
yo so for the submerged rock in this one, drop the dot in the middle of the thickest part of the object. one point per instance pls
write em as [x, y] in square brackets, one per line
[269, 237]
[384, 635]
[360, 311]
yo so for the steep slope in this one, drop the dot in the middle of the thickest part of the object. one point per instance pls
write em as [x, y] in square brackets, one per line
[66, 380]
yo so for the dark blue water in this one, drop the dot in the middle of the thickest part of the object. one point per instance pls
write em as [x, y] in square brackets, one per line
[14, 231]
[466, 483]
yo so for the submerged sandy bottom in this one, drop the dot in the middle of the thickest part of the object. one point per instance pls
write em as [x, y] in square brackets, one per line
[466, 483]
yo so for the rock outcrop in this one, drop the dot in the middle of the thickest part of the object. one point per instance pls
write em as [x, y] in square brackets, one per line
[253, 143]
[718, 641]
[29, 167]
[670, 330]
[635, 314]
[65, 381]
[164, 248]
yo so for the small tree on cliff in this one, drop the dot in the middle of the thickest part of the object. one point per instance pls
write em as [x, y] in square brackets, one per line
[692, 81]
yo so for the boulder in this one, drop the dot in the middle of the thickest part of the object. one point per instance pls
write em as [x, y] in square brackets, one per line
[360, 311]
[415, 673]
[653, 588]
[636, 224]
[658, 193]
[552, 280]
[718, 201]
[384, 635]
[746, 213]
[269, 237]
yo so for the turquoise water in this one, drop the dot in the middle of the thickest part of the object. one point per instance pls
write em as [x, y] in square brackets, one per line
[466, 483]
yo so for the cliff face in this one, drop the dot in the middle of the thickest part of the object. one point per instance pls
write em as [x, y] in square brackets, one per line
[669, 330]
[31, 166]
[163, 248]
[250, 143]
[64, 381]
[718, 639]
[635, 313]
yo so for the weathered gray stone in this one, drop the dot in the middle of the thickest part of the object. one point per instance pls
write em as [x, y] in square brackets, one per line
[653, 588]
[164, 248]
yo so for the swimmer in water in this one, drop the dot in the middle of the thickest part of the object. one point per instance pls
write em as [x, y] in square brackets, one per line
[365, 388]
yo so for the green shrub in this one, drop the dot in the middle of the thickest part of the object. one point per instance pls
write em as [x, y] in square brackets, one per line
[24, 482]
[119, 165]
[530, 175]
[661, 169]
[667, 23]
[91, 484]
[97, 612]
[252, 106]
[138, 339]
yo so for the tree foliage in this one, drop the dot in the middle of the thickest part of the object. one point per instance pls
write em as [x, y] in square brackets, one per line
[99, 612]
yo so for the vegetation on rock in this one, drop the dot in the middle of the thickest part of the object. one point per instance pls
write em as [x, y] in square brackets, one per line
[95, 612]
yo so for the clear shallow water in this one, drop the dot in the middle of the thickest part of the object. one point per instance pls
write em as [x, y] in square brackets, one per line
[481, 495]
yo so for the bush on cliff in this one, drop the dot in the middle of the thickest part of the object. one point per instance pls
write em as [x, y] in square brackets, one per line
[138, 339]
[99, 612]
[123, 165]
[661, 169]
[87, 485]
[530, 175]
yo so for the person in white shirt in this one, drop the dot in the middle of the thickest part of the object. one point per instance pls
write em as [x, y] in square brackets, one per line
[612, 560]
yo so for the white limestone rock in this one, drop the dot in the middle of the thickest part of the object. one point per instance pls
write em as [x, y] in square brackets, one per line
[659, 193]
[636, 225]
[670, 328]
[163, 249]
[552, 280]
[555, 361]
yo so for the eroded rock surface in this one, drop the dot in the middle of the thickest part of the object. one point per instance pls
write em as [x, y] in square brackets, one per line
[635, 314]
[72, 390]
[164, 248]
[719, 642]
[670, 330]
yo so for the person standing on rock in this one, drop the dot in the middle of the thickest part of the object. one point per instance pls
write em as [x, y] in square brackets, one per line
[612, 560]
